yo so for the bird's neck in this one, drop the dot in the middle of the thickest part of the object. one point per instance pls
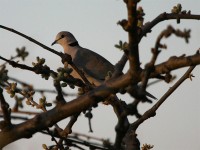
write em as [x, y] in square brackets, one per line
[74, 44]
[71, 50]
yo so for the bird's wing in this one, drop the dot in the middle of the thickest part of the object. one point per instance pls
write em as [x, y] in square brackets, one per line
[92, 64]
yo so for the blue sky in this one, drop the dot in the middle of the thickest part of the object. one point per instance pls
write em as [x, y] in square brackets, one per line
[94, 25]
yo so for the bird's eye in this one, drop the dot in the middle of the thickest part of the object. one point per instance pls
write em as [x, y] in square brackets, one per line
[62, 36]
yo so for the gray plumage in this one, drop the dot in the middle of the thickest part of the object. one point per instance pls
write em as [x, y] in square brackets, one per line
[94, 66]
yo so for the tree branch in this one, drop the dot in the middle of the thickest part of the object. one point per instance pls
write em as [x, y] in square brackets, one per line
[131, 133]
[174, 63]
[6, 112]
[40, 90]
[31, 39]
[133, 52]
[152, 112]
[43, 70]
[162, 17]
[49, 118]
[149, 67]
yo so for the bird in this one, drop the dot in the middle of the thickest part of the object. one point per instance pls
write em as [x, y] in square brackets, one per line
[94, 66]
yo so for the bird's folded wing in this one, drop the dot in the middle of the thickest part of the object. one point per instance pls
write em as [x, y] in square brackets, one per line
[92, 64]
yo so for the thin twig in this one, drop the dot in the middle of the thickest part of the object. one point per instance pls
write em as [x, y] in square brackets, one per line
[16, 117]
[40, 90]
[149, 67]
[23, 112]
[43, 70]
[59, 96]
[68, 128]
[7, 62]
[162, 17]
[31, 39]
[119, 66]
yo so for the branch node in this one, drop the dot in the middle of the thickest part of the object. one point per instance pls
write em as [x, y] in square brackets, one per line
[124, 24]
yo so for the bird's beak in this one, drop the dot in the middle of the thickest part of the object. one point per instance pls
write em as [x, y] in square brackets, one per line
[54, 42]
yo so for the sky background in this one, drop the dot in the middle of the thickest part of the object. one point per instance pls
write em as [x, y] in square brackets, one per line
[177, 123]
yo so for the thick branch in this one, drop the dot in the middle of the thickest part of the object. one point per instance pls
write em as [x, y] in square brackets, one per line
[123, 123]
[133, 52]
[49, 118]
[175, 63]
[6, 112]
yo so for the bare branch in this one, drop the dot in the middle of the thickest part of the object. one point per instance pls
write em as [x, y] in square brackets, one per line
[174, 63]
[165, 16]
[152, 112]
[156, 50]
[68, 128]
[6, 112]
[43, 70]
[30, 39]
[49, 118]
[130, 139]
[16, 117]
[133, 54]
[40, 90]
[119, 66]
[123, 123]
[24, 112]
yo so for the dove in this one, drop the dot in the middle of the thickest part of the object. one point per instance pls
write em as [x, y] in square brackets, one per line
[94, 66]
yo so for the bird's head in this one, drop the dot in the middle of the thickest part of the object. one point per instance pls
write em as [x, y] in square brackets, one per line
[65, 38]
